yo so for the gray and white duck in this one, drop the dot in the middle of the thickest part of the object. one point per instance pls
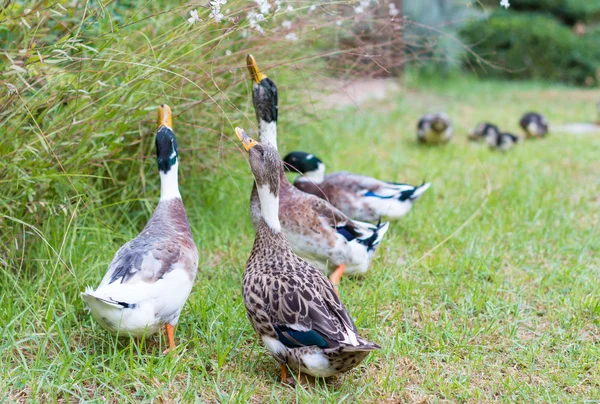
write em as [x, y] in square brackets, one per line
[502, 141]
[316, 230]
[358, 196]
[435, 128]
[534, 124]
[291, 305]
[482, 131]
[151, 276]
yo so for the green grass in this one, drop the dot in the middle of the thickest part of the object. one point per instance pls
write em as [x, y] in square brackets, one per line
[506, 309]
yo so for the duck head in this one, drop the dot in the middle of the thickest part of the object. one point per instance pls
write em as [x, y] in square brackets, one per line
[266, 167]
[264, 98]
[167, 155]
[166, 143]
[305, 163]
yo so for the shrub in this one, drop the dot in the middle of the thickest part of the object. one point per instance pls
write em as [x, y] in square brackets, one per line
[568, 11]
[526, 45]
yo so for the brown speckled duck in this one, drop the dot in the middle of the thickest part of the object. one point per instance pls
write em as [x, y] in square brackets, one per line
[151, 276]
[316, 230]
[434, 128]
[292, 306]
[358, 196]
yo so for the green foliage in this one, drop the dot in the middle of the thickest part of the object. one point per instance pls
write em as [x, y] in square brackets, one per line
[531, 46]
[568, 11]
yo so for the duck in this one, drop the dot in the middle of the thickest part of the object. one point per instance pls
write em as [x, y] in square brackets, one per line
[434, 128]
[292, 305]
[150, 277]
[534, 124]
[482, 131]
[316, 230]
[359, 197]
[502, 141]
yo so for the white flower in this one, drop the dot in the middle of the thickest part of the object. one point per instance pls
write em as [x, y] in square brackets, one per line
[359, 10]
[393, 10]
[289, 8]
[312, 8]
[215, 10]
[217, 16]
[338, 23]
[253, 19]
[286, 24]
[193, 17]
[504, 3]
[291, 37]
[227, 52]
[263, 6]
[278, 5]
[11, 89]
[365, 3]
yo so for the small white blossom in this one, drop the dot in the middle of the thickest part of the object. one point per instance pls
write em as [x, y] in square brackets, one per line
[291, 37]
[393, 10]
[227, 52]
[11, 89]
[359, 10]
[193, 17]
[504, 3]
[253, 19]
[289, 8]
[312, 8]
[278, 5]
[263, 6]
[215, 10]
[338, 23]
[217, 16]
[287, 24]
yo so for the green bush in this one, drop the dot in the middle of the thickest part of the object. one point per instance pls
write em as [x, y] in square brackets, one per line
[568, 11]
[527, 45]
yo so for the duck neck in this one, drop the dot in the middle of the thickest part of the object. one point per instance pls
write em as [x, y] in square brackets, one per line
[315, 176]
[268, 132]
[269, 207]
[169, 185]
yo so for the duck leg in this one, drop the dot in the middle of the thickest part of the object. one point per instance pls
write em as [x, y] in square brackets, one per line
[170, 338]
[336, 276]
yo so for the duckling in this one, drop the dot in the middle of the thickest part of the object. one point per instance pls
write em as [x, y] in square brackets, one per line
[358, 196]
[151, 276]
[434, 128]
[534, 125]
[502, 141]
[482, 131]
[291, 305]
[316, 230]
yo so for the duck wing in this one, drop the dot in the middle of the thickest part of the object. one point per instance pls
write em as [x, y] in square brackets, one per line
[307, 311]
[143, 259]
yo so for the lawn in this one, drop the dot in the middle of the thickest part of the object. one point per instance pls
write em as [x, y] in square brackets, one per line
[488, 290]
